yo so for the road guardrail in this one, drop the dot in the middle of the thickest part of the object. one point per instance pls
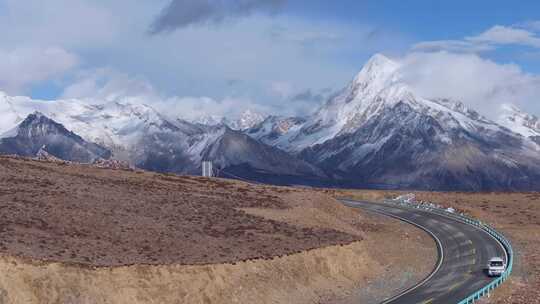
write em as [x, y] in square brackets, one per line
[494, 233]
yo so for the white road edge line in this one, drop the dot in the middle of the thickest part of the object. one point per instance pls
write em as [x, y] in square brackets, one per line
[441, 258]
[439, 245]
[505, 250]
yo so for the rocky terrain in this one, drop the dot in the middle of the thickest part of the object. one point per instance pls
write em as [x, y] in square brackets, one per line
[37, 135]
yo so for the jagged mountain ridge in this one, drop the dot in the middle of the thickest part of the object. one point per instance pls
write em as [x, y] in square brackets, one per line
[520, 122]
[37, 135]
[247, 119]
[145, 138]
[378, 86]
[275, 130]
[377, 132]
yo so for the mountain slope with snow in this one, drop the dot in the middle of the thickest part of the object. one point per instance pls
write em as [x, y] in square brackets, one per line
[245, 121]
[377, 87]
[520, 122]
[379, 132]
[38, 134]
[240, 155]
[276, 130]
[138, 134]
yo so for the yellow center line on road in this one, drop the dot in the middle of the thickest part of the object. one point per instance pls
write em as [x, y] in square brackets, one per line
[427, 301]
[454, 286]
[468, 242]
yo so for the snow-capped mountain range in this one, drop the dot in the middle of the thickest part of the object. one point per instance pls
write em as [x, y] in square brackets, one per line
[143, 137]
[379, 86]
[37, 134]
[377, 132]
[520, 122]
[247, 119]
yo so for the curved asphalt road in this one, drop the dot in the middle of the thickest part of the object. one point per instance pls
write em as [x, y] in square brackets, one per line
[465, 254]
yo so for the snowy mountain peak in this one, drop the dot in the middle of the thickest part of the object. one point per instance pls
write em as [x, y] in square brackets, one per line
[377, 86]
[378, 80]
[208, 120]
[377, 73]
[518, 121]
[244, 121]
[37, 115]
[379, 61]
[247, 119]
[38, 131]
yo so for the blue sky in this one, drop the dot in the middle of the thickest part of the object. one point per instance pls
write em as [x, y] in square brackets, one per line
[286, 56]
[423, 20]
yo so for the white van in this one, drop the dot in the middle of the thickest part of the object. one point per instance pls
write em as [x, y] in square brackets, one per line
[496, 267]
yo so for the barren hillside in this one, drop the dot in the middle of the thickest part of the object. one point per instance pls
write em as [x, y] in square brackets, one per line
[101, 217]
[82, 234]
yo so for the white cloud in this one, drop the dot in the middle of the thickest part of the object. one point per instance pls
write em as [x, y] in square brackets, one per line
[306, 36]
[256, 50]
[191, 108]
[109, 85]
[533, 25]
[67, 23]
[507, 35]
[23, 67]
[452, 46]
[197, 60]
[488, 40]
[183, 13]
[201, 60]
[281, 89]
[478, 82]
